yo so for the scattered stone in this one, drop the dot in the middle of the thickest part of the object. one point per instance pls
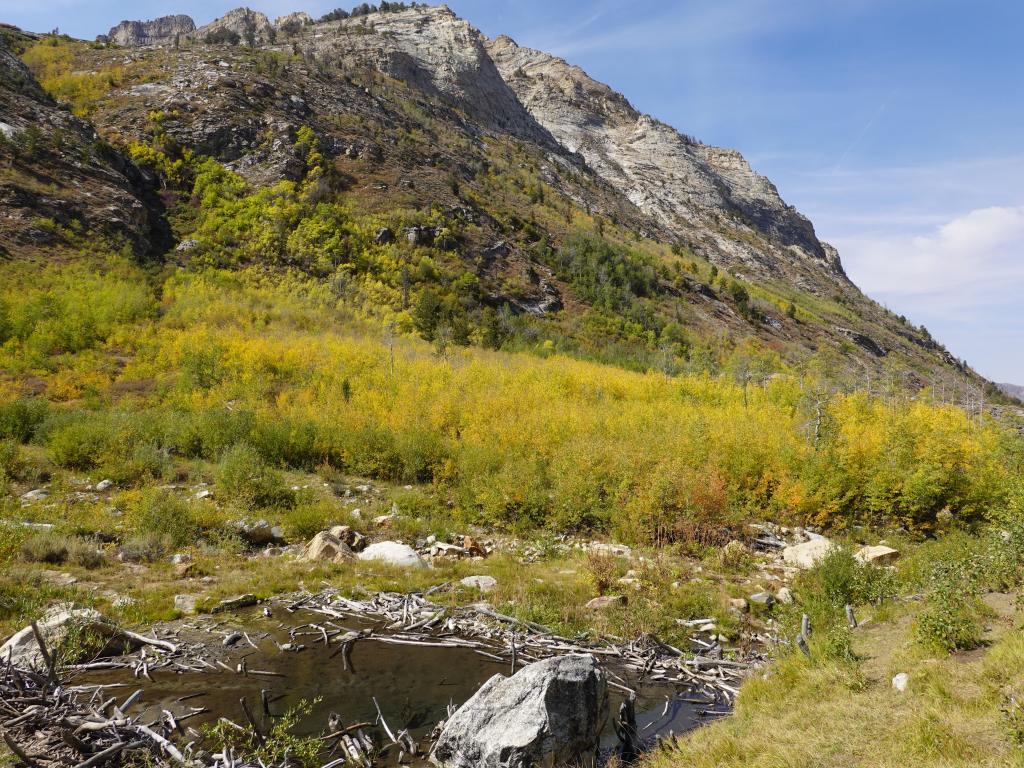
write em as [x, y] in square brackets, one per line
[259, 533]
[784, 596]
[548, 713]
[738, 605]
[381, 520]
[606, 602]
[763, 599]
[325, 546]
[393, 553]
[808, 554]
[472, 547]
[37, 494]
[235, 603]
[186, 604]
[879, 555]
[59, 578]
[606, 548]
[203, 494]
[901, 682]
[352, 538]
[104, 485]
[483, 583]
[631, 582]
[183, 569]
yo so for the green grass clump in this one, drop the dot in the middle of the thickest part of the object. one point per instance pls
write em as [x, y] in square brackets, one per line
[246, 480]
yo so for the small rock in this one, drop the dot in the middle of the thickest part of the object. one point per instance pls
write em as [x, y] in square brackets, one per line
[879, 555]
[738, 605]
[38, 494]
[431, 540]
[104, 485]
[181, 558]
[203, 494]
[604, 548]
[351, 538]
[606, 602]
[59, 578]
[186, 604]
[394, 553]
[629, 581]
[763, 599]
[901, 682]
[784, 596]
[259, 533]
[483, 583]
[382, 520]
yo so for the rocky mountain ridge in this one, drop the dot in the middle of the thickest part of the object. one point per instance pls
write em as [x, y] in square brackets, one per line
[417, 109]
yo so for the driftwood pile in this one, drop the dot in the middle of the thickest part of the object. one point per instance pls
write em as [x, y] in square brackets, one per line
[415, 620]
[46, 721]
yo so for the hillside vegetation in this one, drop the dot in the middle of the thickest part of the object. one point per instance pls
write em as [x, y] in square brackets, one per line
[398, 317]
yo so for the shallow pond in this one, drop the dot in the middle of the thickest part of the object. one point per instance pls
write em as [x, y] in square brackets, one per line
[413, 685]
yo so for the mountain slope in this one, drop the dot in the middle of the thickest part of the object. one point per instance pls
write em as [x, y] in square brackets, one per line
[59, 180]
[519, 154]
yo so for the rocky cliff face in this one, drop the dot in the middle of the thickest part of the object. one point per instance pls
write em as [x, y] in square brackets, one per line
[684, 184]
[248, 24]
[156, 32]
[60, 179]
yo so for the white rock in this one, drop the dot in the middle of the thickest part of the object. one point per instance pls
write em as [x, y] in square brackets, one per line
[808, 554]
[878, 555]
[604, 548]
[203, 494]
[104, 485]
[901, 682]
[392, 552]
[185, 604]
[784, 596]
[22, 649]
[483, 583]
[37, 494]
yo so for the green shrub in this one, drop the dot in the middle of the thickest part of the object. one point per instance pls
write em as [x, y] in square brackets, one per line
[11, 465]
[244, 479]
[19, 419]
[951, 621]
[46, 548]
[160, 513]
[80, 444]
[308, 519]
[147, 547]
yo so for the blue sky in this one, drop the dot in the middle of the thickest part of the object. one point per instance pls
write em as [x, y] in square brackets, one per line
[895, 125]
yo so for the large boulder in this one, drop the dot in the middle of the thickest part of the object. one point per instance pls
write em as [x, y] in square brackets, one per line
[58, 626]
[393, 553]
[325, 546]
[879, 555]
[808, 554]
[548, 714]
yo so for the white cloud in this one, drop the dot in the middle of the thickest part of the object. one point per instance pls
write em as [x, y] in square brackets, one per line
[973, 257]
[962, 279]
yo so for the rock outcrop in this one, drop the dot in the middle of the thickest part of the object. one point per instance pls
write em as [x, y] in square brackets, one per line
[547, 714]
[250, 26]
[161, 31]
[668, 175]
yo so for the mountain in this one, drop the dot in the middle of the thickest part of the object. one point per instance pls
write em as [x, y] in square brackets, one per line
[1013, 390]
[520, 155]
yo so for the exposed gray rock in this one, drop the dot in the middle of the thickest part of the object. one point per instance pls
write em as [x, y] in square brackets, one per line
[547, 714]
[244, 22]
[159, 31]
[55, 626]
[259, 533]
[325, 546]
[483, 583]
[606, 602]
[877, 555]
[808, 554]
[393, 553]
